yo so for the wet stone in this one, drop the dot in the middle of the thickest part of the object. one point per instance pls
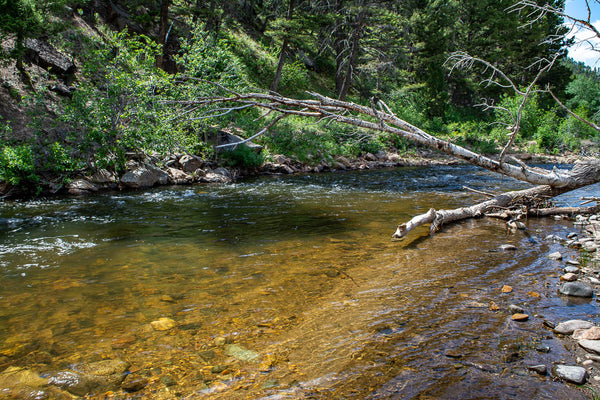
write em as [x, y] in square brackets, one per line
[168, 381]
[207, 355]
[555, 256]
[539, 369]
[134, 383]
[507, 247]
[514, 309]
[571, 269]
[453, 354]
[568, 327]
[592, 333]
[577, 289]
[163, 324]
[577, 375]
[14, 376]
[240, 353]
[592, 346]
[569, 277]
[542, 349]
[519, 317]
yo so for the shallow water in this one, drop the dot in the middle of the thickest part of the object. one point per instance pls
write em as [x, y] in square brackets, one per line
[300, 271]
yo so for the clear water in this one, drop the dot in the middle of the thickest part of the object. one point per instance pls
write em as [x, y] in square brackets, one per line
[301, 271]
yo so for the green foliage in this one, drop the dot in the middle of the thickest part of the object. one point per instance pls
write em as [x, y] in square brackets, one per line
[294, 78]
[473, 135]
[584, 90]
[17, 165]
[211, 58]
[243, 156]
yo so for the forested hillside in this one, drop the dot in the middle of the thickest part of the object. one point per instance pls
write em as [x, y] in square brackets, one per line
[88, 84]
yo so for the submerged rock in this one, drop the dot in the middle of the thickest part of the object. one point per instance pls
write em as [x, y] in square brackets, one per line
[240, 353]
[540, 369]
[89, 378]
[577, 375]
[16, 376]
[577, 289]
[134, 383]
[163, 324]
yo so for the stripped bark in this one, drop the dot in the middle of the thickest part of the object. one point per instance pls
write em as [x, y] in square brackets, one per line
[529, 202]
[379, 118]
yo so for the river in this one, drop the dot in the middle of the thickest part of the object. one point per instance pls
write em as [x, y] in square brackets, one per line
[287, 287]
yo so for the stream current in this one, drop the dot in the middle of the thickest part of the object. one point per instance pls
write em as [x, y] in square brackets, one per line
[287, 287]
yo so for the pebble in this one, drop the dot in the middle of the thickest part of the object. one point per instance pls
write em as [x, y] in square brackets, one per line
[572, 262]
[555, 256]
[571, 270]
[167, 299]
[568, 327]
[508, 247]
[594, 281]
[540, 369]
[577, 375]
[163, 324]
[577, 289]
[520, 317]
[587, 363]
[515, 309]
[506, 289]
[220, 341]
[569, 277]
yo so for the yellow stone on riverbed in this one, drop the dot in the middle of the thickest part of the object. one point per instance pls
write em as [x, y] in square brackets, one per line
[163, 324]
[494, 306]
[506, 289]
[520, 317]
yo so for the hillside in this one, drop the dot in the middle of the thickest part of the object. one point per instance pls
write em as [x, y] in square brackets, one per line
[135, 64]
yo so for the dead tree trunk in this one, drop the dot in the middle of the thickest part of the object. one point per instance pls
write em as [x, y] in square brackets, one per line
[378, 117]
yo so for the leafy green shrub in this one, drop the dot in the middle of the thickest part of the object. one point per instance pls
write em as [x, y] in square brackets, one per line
[17, 165]
[473, 135]
[294, 78]
[243, 156]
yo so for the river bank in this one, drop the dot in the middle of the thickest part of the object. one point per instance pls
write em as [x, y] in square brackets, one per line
[145, 171]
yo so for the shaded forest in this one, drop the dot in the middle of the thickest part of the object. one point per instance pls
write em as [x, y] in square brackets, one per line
[88, 84]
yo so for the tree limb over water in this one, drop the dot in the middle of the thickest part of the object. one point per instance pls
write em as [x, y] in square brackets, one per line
[379, 118]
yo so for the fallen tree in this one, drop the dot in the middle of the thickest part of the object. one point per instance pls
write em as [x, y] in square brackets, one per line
[534, 201]
[378, 117]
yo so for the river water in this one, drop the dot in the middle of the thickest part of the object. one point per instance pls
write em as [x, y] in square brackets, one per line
[287, 287]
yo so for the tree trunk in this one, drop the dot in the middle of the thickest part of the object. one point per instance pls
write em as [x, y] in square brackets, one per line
[280, 63]
[284, 49]
[162, 33]
[353, 57]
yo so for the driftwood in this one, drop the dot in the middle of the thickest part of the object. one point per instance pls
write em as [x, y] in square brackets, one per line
[379, 118]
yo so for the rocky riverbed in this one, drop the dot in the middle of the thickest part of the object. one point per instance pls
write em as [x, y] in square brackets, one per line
[579, 279]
